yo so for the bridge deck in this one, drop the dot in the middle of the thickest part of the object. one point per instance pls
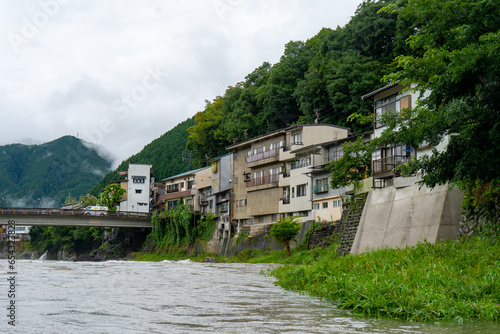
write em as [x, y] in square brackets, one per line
[60, 217]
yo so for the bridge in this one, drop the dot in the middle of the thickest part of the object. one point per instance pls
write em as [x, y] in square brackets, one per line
[74, 217]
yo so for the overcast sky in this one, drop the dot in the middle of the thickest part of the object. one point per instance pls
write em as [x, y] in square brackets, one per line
[120, 73]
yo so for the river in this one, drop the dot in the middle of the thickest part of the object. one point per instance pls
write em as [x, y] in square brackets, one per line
[178, 297]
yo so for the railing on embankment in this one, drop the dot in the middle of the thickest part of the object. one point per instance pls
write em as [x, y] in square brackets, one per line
[71, 212]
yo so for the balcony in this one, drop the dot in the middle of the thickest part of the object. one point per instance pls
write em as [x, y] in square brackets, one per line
[323, 188]
[263, 155]
[299, 164]
[385, 166]
[333, 156]
[222, 208]
[268, 179]
[286, 200]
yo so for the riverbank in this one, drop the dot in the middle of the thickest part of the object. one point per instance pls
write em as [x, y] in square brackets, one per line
[452, 280]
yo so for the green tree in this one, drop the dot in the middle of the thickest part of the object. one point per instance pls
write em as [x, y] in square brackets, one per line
[454, 57]
[88, 200]
[354, 165]
[111, 196]
[285, 231]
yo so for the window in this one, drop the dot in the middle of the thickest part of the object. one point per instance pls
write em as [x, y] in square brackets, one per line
[173, 188]
[297, 139]
[303, 160]
[325, 205]
[316, 206]
[301, 190]
[276, 145]
[190, 184]
[335, 153]
[394, 104]
[274, 172]
[235, 157]
[236, 179]
[138, 191]
[138, 179]
[258, 150]
[274, 217]
[211, 204]
[321, 185]
[261, 219]
[258, 178]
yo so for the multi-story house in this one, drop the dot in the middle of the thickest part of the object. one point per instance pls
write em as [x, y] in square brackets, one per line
[271, 172]
[139, 186]
[396, 99]
[327, 202]
[184, 186]
[256, 172]
[219, 199]
[303, 152]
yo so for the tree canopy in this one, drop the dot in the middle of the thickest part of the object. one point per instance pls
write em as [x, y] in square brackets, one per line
[454, 55]
[285, 231]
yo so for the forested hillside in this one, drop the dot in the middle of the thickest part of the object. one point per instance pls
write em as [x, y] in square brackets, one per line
[44, 175]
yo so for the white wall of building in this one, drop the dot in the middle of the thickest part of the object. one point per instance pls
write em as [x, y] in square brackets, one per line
[139, 187]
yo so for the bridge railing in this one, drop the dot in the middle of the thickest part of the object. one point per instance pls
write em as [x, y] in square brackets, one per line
[70, 212]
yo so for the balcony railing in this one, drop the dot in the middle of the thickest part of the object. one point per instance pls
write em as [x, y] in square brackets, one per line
[299, 164]
[263, 155]
[386, 165]
[268, 179]
[333, 156]
[323, 188]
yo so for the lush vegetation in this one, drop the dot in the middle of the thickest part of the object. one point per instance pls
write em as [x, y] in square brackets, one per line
[37, 175]
[285, 231]
[54, 238]
[111, 196]
[180, 227]
[453, 55]
[452, 280]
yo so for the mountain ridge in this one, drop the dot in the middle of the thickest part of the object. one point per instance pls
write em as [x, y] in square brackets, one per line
[45, 174]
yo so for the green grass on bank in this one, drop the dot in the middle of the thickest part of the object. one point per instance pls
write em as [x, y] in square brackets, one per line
[452, 280]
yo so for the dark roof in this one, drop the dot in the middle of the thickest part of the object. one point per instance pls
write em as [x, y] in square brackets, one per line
[375, 92]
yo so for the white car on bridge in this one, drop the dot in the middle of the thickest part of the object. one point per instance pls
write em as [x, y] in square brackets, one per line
[95, 211]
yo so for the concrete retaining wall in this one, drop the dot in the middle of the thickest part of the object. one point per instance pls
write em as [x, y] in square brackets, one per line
[256, 239]
[403, 215]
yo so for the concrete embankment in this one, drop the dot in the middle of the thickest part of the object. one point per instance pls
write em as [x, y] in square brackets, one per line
[405, 214]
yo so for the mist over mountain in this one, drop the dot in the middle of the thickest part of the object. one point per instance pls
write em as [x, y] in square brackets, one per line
[44, 175]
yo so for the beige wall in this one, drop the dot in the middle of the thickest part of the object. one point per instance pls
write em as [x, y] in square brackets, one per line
[332, 213]
[203, 178]
[264, 202]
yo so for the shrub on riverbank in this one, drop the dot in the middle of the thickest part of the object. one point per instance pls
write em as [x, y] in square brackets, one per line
[452, 280]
